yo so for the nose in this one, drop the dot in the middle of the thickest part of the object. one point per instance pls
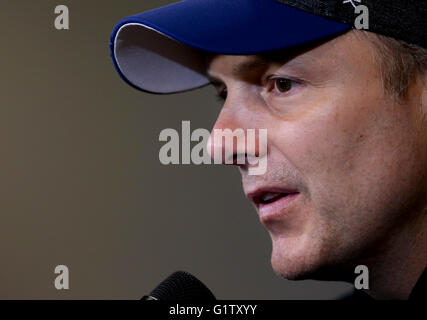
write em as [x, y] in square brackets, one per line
[235, 140]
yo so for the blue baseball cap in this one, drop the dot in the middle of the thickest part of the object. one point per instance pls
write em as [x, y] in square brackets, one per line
[163, 50]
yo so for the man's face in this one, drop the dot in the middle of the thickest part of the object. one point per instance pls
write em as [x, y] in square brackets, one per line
[352, 159]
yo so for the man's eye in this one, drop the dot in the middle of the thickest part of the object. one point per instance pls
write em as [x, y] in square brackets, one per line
[281, 85]
[222, 94]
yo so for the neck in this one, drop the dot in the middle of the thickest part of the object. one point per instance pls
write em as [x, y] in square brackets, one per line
[400, 261]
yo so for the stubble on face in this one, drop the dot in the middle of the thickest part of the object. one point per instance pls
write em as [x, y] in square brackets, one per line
[355, 154]
[364, 166]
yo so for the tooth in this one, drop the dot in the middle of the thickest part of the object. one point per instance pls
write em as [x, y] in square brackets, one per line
[269, 196]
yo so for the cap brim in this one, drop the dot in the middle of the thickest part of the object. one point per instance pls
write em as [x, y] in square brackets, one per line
[162, 50]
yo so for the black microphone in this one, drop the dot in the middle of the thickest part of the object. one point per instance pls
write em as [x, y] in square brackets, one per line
[181, 285]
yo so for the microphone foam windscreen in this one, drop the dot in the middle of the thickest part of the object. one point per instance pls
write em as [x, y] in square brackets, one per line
[181, 285]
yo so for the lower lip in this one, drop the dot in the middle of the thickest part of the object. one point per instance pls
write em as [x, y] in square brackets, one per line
[277, 208]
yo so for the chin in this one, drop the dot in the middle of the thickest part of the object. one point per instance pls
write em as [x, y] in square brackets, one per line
[310, 261]
[304, 257]
[292, 269]
[293, 259]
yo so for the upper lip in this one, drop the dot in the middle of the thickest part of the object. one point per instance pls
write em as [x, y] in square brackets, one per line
[256, 194]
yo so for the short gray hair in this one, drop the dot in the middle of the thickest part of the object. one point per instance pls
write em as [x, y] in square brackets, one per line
[400, 63]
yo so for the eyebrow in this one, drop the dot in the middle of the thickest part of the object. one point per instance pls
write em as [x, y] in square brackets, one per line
[262, 61]
[246, 67]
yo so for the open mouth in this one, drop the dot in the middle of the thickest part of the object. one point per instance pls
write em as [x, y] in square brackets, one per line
[274, 204]
[271, 197]
[268, 197]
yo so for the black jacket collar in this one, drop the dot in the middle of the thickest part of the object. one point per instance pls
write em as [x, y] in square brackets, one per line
[419, 292]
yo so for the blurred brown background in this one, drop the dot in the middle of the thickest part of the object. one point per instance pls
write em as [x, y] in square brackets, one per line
[81, 183]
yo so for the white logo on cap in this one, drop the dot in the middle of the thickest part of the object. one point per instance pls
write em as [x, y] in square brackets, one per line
[362, 20]
[351, 1]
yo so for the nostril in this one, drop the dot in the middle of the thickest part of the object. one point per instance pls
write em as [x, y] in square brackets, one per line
[240, 159]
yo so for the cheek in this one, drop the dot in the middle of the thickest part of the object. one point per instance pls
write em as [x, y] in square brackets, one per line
[323, 145]
[359, 167]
